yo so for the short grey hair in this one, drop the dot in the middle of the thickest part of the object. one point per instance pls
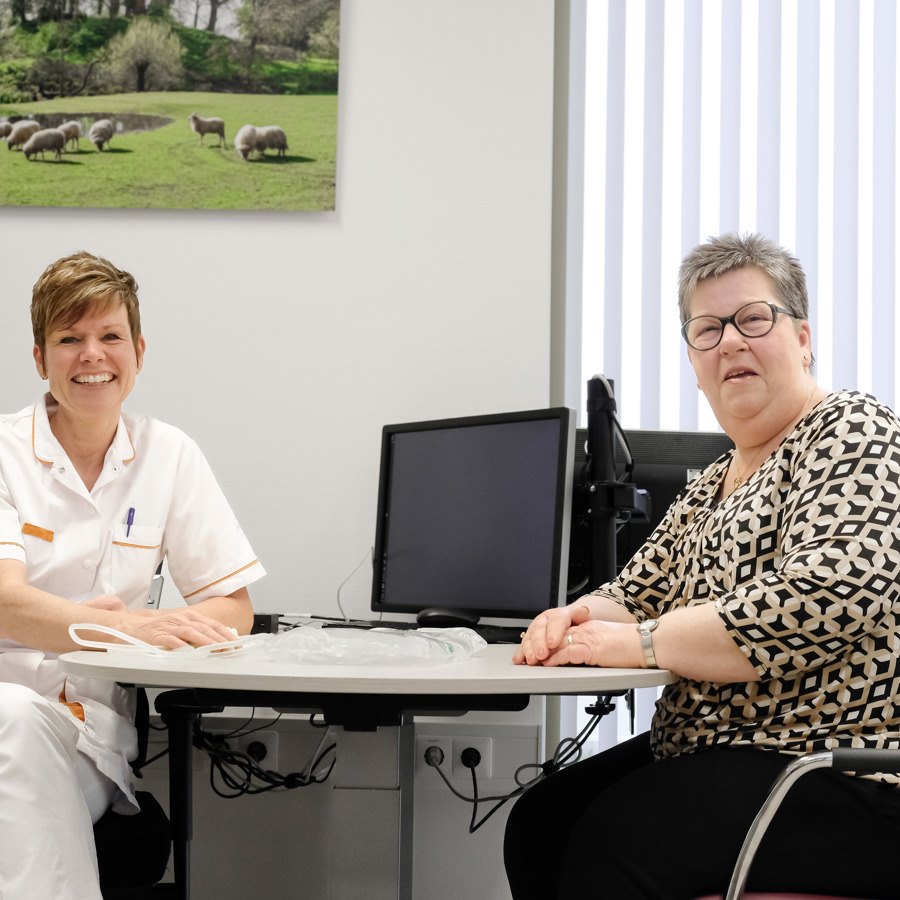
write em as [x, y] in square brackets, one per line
[734, 251]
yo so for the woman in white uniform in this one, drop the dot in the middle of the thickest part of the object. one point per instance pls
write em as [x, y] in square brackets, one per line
[91, 500]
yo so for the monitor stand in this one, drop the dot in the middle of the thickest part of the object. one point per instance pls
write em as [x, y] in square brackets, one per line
[446, 617]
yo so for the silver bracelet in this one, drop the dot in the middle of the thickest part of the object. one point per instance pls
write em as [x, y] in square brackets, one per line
[646, 629]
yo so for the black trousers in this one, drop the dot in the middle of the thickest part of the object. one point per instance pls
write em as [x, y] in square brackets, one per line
[623, 826]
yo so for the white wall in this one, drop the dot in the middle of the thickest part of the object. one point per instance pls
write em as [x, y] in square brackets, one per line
[283, 342]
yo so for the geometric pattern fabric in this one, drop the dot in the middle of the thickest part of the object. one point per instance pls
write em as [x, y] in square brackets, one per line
[803, 564]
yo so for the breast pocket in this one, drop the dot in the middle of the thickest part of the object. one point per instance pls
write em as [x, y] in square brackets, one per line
[136, 552]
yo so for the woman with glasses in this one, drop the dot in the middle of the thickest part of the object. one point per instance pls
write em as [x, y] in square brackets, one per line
[771, 590]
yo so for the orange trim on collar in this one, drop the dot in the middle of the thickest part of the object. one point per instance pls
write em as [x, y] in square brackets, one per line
[133, 451]
[225, 578]
[49, 462]
[46, 462]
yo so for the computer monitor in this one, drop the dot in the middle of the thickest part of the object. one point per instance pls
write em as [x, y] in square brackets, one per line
[474, 515]
[662, 464]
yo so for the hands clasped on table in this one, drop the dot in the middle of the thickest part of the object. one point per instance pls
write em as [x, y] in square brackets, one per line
[569, 636]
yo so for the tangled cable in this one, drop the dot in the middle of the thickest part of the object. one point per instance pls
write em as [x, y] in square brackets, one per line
[568, 752]
[240, 774]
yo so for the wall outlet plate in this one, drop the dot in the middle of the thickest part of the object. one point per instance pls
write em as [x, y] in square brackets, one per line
[444, 743]
[483, 745]
[267, 739]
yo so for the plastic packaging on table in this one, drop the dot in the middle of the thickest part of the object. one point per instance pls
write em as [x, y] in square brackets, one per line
[352, 646]
[308, 644]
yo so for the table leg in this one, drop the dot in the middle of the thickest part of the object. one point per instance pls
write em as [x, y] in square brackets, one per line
[372, 828]
[406, 768]
[181, 733]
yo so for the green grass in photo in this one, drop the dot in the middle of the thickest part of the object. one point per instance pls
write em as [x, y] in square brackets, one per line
[166, 168]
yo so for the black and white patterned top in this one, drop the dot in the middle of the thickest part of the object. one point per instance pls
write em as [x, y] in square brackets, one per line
[802, 563]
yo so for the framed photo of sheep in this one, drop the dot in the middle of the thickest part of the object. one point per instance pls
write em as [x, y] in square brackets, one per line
[184, 104]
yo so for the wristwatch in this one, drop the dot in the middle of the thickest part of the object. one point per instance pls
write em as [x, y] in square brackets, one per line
[646, 629]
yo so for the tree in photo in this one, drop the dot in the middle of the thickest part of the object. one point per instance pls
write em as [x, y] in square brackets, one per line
[147, 56]
[325, 40]
[287, 23]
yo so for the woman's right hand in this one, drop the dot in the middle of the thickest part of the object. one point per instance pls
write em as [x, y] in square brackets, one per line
[169, 628]
[546, 633]
[174, 628]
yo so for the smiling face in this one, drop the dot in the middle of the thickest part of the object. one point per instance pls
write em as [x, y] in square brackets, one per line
[755, 386]
[91, 365]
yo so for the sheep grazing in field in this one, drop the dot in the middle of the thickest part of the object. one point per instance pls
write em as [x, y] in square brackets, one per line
[20, 132]
[245, 141]
[5, 129]
[101, 133]
[45, 139]
[72, 131]
[203, 127]
[271, 137]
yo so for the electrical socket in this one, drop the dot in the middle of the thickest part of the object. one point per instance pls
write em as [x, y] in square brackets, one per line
[423, 742]
[482, 745]
[268, 739]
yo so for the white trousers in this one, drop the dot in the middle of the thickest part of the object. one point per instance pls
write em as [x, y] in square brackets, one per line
[50, 796]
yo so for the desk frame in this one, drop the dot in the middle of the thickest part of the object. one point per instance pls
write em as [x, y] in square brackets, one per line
[181, 709]
[357, 698]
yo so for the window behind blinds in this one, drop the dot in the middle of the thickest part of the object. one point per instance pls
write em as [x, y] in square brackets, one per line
[704, 116]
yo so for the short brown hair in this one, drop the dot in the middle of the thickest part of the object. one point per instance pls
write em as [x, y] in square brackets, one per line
[74, 286]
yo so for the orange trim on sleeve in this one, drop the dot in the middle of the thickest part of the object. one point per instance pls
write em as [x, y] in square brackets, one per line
[45, 534]
[12, 544]
[225, 578]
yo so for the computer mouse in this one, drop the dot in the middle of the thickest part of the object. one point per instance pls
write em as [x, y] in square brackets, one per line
[446, 617]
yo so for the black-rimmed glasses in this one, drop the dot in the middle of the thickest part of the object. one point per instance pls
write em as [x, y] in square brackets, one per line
[752, 321]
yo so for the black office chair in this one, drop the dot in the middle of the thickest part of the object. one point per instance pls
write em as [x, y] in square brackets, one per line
[133, 851]
[844, 759]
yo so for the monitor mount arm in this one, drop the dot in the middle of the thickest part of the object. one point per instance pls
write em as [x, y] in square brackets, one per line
[600, 497]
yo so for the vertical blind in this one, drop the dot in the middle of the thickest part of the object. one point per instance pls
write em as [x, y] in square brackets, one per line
[708, 116]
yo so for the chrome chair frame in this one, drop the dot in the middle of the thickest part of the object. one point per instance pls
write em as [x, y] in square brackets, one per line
[845, 759]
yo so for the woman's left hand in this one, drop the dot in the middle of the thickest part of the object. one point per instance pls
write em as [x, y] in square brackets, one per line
[598, 643]
[586, 641]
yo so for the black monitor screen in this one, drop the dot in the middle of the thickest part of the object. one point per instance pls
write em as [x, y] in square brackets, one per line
[474, 514]
[663, 463]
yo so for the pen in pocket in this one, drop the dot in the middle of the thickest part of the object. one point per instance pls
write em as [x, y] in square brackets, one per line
[129, 522]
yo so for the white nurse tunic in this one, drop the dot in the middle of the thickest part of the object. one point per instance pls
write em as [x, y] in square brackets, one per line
[78, 544]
